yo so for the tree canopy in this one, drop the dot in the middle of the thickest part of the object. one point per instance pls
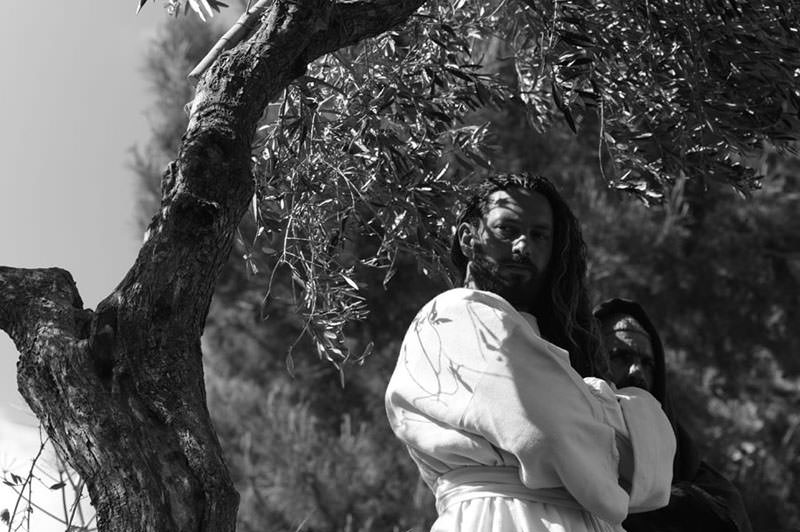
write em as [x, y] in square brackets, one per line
[379, 139]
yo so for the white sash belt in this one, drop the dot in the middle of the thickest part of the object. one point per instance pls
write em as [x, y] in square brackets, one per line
[476, 482]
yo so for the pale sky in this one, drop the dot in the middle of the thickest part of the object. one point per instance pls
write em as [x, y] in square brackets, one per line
[73, 103]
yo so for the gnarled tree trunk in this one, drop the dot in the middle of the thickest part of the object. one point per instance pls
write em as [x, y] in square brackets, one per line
[120, 389]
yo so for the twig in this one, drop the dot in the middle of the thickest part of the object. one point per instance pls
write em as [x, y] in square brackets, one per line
[600, 137]
[76, 504]
[27, 481]
[29, 509]
[358, 79]
[77, 487]
[33, 504]
[63, 497]
[232, 37]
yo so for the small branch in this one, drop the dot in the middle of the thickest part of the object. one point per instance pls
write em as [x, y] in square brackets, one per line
[76, 505]
[246, 23]
[27, 481]
[36, 506]
[64, 497]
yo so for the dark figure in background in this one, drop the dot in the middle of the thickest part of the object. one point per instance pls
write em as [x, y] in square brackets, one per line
[701, 499]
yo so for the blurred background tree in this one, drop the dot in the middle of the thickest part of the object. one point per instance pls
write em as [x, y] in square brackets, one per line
[718, 273]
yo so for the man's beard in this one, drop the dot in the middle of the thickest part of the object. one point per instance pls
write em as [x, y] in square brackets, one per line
[518, 289]
[637, 382]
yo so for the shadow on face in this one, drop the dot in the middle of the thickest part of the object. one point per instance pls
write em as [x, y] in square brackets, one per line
[630, 351]
[509, 249]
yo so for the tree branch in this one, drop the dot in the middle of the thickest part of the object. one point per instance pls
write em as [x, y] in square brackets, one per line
[351, 22]
[32, 298]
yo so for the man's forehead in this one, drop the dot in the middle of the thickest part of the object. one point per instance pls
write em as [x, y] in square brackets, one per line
[520, 201]
[623, 322]
[505, 196]
[627, 330]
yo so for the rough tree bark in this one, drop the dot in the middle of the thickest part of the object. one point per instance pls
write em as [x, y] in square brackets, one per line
[120, 389]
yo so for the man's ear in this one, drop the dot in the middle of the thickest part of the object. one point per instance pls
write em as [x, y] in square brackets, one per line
[466, 239]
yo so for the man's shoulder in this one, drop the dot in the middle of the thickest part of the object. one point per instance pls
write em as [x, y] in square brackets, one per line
[443, 302]
[464, 303]
[466, 296]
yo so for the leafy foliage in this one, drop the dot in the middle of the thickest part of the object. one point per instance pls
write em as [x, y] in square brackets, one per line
[680, 88]
[376, 139]
[204, 9]
[359, 150]
[683, 89]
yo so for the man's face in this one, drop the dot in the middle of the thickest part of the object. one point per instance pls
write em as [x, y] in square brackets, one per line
[512, 245]
[630, 352]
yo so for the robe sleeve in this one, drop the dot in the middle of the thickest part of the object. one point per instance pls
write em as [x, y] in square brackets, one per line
[645, 441]
[652, 441]
[529, 402]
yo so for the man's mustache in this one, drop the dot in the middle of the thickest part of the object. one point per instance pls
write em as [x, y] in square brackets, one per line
[525, 263]
[519, 263]
[490, 272]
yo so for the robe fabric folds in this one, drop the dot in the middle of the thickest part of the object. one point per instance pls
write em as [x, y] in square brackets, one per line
[509, 437]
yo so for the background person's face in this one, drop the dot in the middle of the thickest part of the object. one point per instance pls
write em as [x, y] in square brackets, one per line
[630, 353]
[512, 246]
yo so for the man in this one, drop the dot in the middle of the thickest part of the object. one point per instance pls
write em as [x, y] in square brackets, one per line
[519, 267]
[701, 498]
[501, 425]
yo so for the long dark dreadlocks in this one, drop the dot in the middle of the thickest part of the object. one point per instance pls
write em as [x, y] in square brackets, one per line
[565, 317]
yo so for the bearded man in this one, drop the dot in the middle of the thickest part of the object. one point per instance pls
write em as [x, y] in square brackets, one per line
[701, 498]
[488, 394]
[542, 273]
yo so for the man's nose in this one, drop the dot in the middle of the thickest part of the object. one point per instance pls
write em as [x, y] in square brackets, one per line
[522, 247]
[635, 370]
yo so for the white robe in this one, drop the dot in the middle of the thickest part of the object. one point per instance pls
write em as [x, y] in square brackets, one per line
[509, 437]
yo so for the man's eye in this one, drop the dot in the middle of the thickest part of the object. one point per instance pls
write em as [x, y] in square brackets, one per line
[507, 231]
